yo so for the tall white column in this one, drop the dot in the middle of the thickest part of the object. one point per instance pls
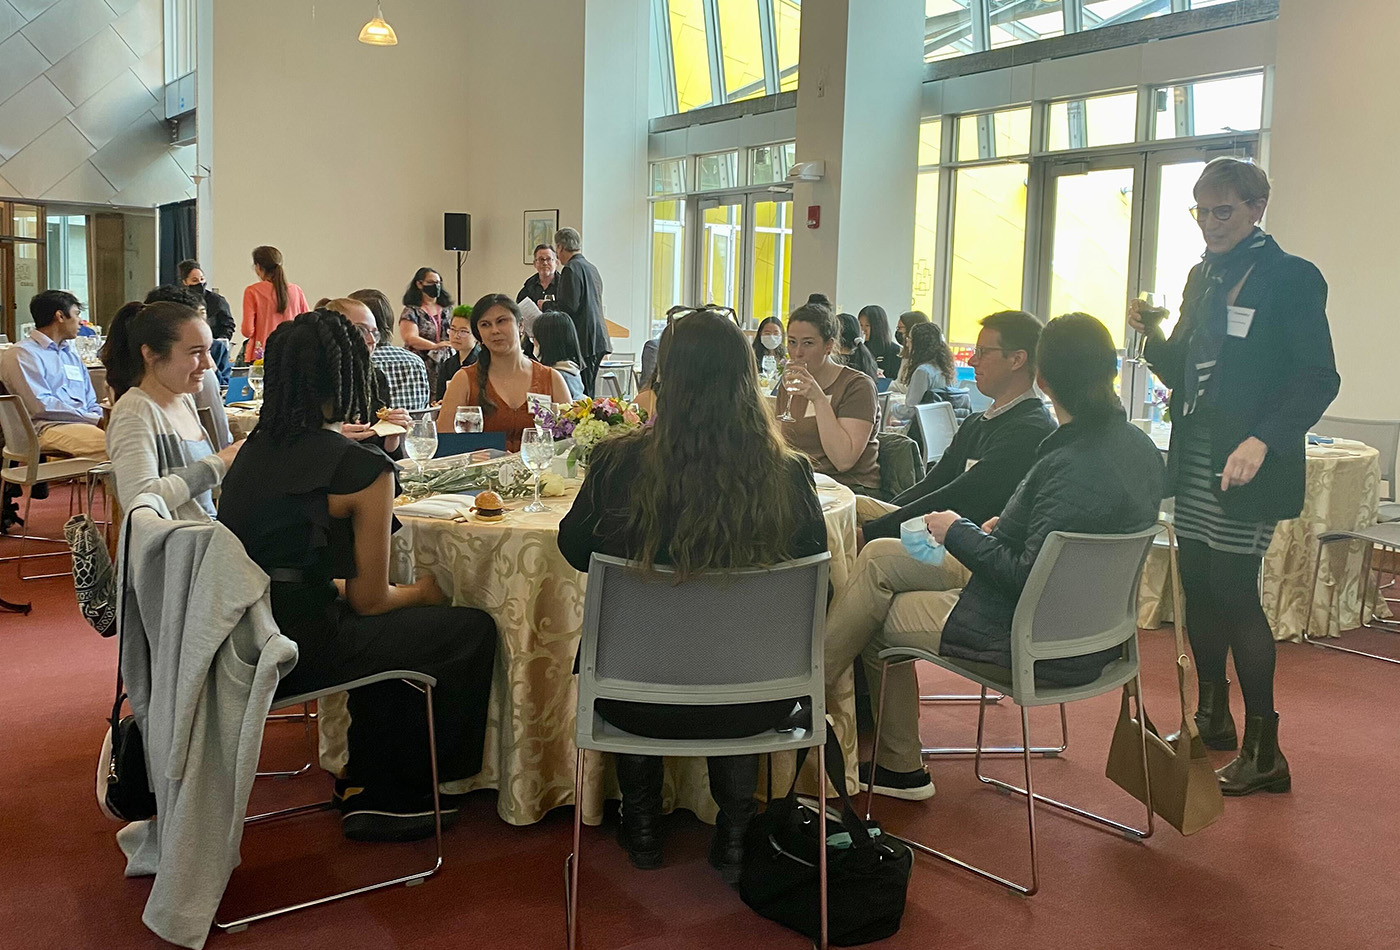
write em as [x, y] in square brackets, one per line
[858, 110]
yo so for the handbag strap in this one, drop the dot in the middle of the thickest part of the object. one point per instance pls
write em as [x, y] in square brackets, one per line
[1183, 658]
[125, 563]
[836, 772]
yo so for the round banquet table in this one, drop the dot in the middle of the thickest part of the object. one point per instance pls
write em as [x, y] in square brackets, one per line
[513, 570]
[241, 422]
[1343, 494]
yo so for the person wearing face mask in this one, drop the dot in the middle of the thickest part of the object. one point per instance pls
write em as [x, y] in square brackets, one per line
[216, 306]
[427, 309]
[768, 341]
[907, 319]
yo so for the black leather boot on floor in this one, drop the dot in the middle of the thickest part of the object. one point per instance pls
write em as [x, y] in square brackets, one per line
[1260, 766]
[732, 782]
[1213, 719]
[639, 777]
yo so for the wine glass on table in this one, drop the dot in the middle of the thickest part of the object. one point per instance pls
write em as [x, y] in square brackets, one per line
[537, 451]
[1151, 311]
[768, 373]
[421, 442]
[255, 382]
[468, 419]
[791, 385]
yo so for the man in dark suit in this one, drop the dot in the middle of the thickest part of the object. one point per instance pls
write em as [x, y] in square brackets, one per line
[581, 297]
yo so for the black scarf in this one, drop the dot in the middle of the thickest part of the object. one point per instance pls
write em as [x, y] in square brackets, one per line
[1211, 312]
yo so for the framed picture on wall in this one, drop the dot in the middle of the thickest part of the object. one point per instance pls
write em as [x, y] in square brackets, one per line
[539, 229]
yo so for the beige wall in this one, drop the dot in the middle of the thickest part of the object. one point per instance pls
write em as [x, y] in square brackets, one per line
[1336, 199]
[345, 156]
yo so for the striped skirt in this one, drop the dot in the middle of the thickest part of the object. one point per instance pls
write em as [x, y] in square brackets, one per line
[1199, 516]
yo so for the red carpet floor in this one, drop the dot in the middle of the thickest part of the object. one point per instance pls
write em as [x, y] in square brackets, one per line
[1313, 869]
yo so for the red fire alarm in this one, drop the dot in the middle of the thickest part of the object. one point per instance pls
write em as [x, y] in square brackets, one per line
[814, 216]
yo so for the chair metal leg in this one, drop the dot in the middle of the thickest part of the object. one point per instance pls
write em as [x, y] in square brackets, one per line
[875, 749]
[821, 836]
[571, 862]
[1049, 751]
[26, 536]
[959, 698]
[408, 880]
[1368, 620]
[306, 716]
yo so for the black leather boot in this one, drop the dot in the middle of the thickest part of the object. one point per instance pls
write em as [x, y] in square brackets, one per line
[733, 779]
[639, 777]
[1260, 766]
[1213, 719]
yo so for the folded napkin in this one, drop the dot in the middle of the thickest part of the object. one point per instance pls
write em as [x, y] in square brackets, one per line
[825, 481]
[440, 507]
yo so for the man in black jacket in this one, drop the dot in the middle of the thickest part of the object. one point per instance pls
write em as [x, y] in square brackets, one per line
[1095, 474]
[581, 297]
[993, 450]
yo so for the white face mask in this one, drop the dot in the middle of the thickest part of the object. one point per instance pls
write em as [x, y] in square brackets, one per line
[771, 342]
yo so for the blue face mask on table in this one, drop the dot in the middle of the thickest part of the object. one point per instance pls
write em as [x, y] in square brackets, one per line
[919, 544]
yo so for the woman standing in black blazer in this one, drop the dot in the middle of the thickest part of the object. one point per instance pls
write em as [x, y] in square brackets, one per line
[1251, 369]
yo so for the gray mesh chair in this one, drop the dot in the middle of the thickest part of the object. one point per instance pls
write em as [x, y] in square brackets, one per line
[419, 681]
[1080, 599]
[23, 468]
[717, 638]
[938, 423]
[1383, 536]
[1383, 435]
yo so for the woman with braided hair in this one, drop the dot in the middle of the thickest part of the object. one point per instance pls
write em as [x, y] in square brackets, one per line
[315, 510]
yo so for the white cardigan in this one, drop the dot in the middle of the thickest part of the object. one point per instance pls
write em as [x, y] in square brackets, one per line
[148, 455]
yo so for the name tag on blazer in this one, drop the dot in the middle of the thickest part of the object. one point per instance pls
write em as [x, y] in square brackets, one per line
[1238, 321]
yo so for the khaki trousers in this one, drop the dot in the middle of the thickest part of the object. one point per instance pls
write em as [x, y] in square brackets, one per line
[892, 600]
[77, 439]
[868, 509]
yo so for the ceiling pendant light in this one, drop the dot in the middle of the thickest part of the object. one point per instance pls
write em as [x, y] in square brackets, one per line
[378, 33]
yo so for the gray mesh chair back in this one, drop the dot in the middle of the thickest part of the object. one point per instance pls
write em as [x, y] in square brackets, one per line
[21, 442]
[938, 423]
[717, 638]
[1080, 598]
[1383, 435]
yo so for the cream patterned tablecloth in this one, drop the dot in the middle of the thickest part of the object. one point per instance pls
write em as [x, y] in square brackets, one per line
[514, 571]
[1343, 492]
[241, 422]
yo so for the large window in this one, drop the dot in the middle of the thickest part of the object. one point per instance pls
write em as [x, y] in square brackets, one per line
[1072, 205]
[957, 27]
[68, 254]
[23, 262]
[722, 232]
[716, 51]
[181, 42]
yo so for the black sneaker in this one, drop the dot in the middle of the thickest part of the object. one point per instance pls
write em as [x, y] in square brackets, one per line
[367, 816]
[915, 786]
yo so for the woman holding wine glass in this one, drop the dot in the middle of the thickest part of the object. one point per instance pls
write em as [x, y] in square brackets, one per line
[710, 486]
[1250, 368]
[502, 378]
[828, 410]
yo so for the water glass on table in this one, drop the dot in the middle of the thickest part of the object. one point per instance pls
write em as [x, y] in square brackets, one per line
[537, 452]
[255, 381]
[768, 373]
[468, 419]
[421, 442]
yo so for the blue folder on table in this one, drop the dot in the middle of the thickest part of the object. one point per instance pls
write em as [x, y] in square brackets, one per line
[459, 443]
[238, 390]
[883, 384]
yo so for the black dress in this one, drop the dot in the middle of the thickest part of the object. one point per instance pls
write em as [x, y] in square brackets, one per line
[275, 500]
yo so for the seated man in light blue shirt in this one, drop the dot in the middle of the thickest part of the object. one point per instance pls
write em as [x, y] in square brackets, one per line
[49, 378]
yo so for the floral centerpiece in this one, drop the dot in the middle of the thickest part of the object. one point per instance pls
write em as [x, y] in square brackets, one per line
[588, 421]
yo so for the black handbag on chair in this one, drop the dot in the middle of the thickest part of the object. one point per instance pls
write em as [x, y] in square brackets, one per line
[123, 785]
[867, 872]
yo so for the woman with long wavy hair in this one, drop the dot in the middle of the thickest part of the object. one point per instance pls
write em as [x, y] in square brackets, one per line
[928, 367]
[709, 486]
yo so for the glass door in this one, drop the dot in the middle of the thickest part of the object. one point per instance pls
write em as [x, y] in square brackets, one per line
[771, 259]
[721, 252]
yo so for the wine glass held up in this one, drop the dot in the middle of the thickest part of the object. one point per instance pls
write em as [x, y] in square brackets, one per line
[1145, 315]
[792, 384]
[537, 452]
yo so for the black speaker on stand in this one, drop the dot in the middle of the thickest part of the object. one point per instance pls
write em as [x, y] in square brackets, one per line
[457, 236]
